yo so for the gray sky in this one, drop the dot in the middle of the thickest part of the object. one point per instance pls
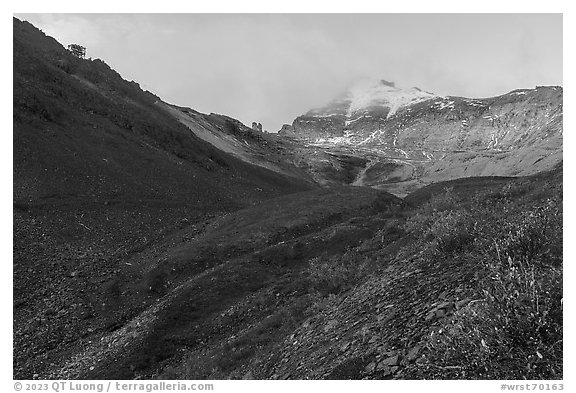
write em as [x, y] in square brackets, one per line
[273, 67]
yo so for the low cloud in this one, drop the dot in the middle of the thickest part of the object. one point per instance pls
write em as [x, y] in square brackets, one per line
[271, 68]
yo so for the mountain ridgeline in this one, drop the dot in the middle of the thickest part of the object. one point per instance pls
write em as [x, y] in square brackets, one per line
[392, 234]
[409, 138]
[81, 129]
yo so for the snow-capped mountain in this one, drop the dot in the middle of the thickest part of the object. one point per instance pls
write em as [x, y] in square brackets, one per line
[405, 136]
[372, 95]
[365, 100]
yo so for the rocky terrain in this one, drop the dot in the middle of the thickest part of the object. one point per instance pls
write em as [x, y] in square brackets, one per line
[155, 241]
[402, 139]
[101, 171]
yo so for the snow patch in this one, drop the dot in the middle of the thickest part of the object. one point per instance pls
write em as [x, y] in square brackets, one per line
[378, 93]
[373, 136]
[475, 103]
[491, 117]
[429, 156]
[403, 152]
[336, 140]
[329, 115]
[445, 105]
[348, 122]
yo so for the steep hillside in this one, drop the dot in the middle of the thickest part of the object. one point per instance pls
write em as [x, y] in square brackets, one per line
[101, 172]
[191, 288]
[77, 120]
[358, 285]
[404, 139]
[447, 289]
[231, 136]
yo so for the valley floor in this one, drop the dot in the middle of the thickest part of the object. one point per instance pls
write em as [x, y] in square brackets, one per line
[461, 280]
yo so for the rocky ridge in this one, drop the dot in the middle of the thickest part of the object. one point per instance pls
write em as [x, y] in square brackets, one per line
[431, 138]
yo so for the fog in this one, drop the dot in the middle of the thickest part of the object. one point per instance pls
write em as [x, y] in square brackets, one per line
[271, 68]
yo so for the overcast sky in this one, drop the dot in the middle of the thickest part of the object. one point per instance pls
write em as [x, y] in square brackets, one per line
[272, 68]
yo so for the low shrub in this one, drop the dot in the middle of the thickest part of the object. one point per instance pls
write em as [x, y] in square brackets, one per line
[453, 231]
[535, 236]
[260, 337]
[336, 274]
[514, 330]
[450, 231]
[446, 201]
[508, 193]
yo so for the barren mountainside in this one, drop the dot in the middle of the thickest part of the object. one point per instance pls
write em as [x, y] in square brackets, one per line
[409, 138]
[101, 171]
[393, 234]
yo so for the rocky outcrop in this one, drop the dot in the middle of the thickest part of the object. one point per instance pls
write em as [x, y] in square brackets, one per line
[257, 126]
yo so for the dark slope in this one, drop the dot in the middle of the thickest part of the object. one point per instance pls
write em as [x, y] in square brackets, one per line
[80, 129]
[231, 136]
[179, 296]
[472, 290]
[468, 186]
[100, 173]
[174, 294]
[465, 284]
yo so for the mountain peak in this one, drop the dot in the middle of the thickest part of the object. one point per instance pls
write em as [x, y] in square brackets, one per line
[382, 93]
[368, 95]
[386, 83]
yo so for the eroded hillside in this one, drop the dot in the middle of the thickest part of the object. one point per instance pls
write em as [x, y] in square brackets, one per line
[358, 284]
[101, 173]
